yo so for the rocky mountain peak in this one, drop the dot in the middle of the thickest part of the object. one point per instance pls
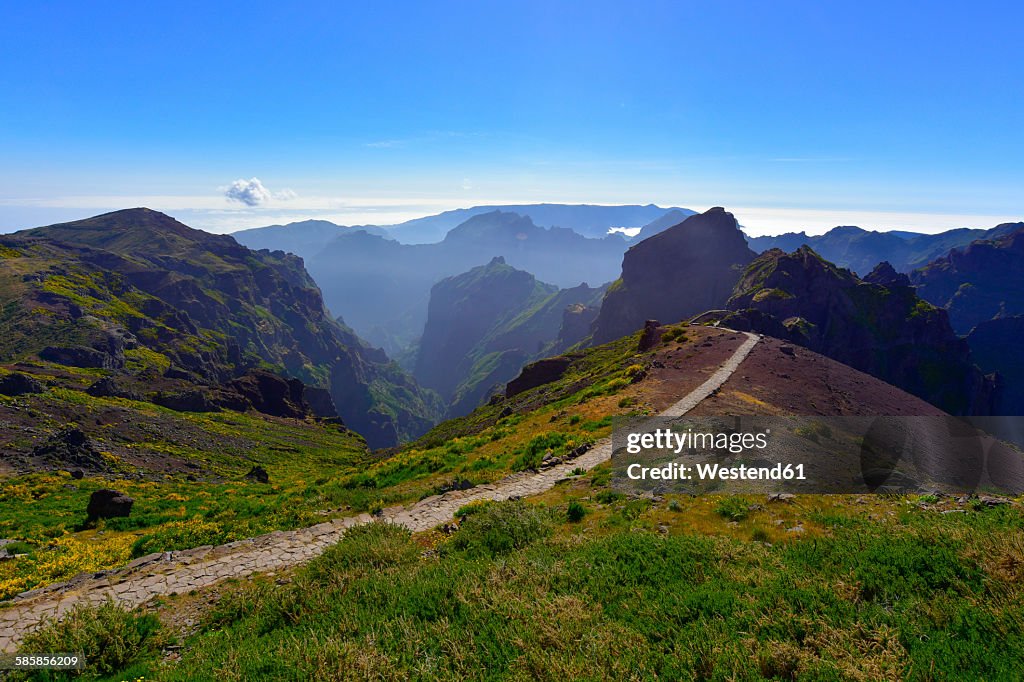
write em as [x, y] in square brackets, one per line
[682, 271]
[886, 275]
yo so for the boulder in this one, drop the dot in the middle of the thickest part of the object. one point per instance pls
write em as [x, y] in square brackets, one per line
[108, 387]
[258, 474]
[186, 401]
[77, 356]
[19, 384]
[108, 504]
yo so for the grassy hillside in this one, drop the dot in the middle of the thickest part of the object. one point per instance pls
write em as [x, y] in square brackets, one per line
[207, 304]
[582, 581]
[186, 470]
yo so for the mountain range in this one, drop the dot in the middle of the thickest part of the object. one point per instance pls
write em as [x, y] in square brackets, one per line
[381, 287]
[861, 250]
[194, 307]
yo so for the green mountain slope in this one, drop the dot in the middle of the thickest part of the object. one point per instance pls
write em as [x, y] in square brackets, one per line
[208, 305]
[485, 324]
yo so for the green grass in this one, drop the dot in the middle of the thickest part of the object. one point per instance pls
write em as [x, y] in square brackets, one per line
[517, 593]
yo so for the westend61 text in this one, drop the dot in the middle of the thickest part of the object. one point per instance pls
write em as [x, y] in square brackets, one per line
[675, 471]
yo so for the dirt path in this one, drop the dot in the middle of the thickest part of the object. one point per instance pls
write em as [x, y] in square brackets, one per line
[179, 572]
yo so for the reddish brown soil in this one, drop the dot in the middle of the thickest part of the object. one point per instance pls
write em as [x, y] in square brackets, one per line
[801, 382]
[687, 365]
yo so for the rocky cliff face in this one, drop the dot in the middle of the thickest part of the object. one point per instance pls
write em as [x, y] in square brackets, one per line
[484, 325]
[995, 346]
[679, 272]
[877, 325]
[201, 307]
[979, 282]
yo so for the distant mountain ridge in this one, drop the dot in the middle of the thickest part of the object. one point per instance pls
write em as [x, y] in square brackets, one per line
[861, 250]
[382, 287]
[588, 220]
[305, 238]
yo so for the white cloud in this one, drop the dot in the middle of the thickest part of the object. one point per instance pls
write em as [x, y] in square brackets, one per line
[249, 192]
[758, 221]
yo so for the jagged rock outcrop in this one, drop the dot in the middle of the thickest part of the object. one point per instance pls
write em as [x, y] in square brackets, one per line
[81, 356]
[577, 320]
[69, 449]
[885, 275]
[109, 387]
[884, 330]
[650, 336]
[258, 474]
[320, 403]
[979, 282]
[271, 394]
[537, 374]
[680, 272]
[996, 347]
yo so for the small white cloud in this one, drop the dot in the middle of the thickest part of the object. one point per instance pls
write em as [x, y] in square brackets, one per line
[285, 195]
[249, 192]
[467, 184]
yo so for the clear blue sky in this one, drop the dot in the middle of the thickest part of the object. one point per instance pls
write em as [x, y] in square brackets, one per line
[795, 110]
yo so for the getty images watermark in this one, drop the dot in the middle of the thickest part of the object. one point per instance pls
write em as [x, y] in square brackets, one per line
[819, 454]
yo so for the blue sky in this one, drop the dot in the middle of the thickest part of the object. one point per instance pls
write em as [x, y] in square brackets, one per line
[797, 115]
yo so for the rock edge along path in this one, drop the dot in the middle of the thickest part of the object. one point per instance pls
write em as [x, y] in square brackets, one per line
[168, 573]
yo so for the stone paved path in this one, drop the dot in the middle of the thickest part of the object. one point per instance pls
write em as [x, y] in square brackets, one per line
[179, 572]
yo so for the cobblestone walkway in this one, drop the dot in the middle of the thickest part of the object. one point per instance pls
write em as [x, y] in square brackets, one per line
[169, 573]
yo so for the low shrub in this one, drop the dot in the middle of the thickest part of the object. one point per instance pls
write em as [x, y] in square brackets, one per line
[576, 511]
[110, 637]
[500, 528]
[732, 508]
[533, 454]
